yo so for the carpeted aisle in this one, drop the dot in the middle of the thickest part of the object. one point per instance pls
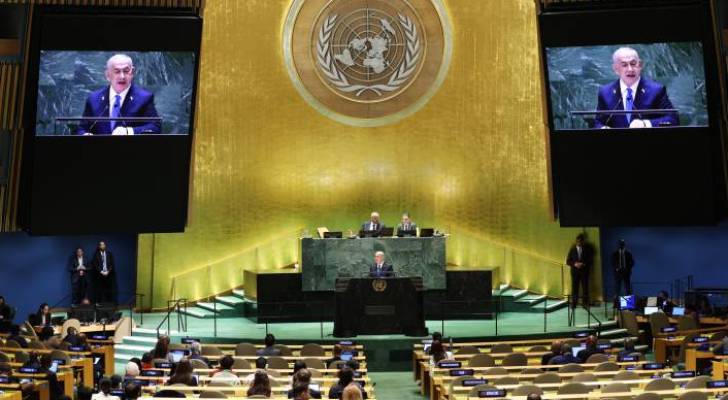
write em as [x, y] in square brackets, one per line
[395, 386]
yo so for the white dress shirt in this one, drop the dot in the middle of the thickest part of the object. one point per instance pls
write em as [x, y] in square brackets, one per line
[112, 99]
[623, 87]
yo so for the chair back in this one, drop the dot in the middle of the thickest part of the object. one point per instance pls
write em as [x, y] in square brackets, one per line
[241, 363]
[699, 382]
[570, 368]
[686, 323]
[495, 371]
[198, 364]
[211, 351]
[693, 396]
[245, 349]
[584, 377]
[626, 376]
[467, 350]
[658, 321]
[616, 387]
[547, 377]
[170, 393]
[597, 358]
[607, 366]
[501, 348]
[212, 394]
[285, 350]
[277, 363]
[506, 380]
[481, 360]
[314, 363]
[647, 396]
[660, 384]
[628, 321]
[573, 388]
[312, 350]
[525, 390]
[515, 359]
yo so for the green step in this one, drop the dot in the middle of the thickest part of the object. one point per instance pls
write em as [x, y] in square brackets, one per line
[231, 301]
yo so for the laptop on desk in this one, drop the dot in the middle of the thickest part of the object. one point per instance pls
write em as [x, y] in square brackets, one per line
[427, 232]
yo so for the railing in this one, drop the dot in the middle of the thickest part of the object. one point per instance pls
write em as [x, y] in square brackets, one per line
[507, 256]
[175, 306]
[320, 306]
[492, 308]
[585, 304]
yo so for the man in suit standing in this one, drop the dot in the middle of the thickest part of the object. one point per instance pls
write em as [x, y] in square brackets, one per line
[406, 226]
[120, 99]
[622, 263]
[632, 92]
[374, 224]
[380, 268]
[77, 267]
[103, 264]
[580, 258]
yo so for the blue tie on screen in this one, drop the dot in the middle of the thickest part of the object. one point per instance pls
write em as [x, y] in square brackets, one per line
[116, 111]
[630, 104]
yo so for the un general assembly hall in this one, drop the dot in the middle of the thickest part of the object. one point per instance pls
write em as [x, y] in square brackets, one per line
[363, 199]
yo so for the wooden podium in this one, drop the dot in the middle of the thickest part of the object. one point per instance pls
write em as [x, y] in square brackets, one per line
[374, 306]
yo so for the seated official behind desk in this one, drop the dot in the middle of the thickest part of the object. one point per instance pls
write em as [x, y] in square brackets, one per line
[380, 269]
[373, 227]
[407, 227]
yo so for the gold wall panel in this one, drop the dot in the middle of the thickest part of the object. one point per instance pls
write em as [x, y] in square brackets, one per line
[472, 162]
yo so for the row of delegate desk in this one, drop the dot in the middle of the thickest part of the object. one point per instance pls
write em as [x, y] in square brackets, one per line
[154, 380]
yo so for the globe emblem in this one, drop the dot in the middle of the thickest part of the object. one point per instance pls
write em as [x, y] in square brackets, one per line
[367, 63]
[369, 53]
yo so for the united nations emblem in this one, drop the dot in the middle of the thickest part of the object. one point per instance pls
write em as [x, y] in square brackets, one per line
[379, 285]
[367, 62]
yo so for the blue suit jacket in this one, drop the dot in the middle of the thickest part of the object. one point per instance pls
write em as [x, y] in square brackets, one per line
[650, 95]
[386, 272]
[137, 103]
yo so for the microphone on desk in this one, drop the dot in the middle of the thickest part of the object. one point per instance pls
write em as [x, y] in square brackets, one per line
[104, 111]
[613, 109]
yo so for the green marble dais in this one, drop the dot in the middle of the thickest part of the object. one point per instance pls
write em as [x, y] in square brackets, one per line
[323, 260]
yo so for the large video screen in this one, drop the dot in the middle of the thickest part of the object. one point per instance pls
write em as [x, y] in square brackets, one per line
[109, 119]
[647, 85]
[114, 92]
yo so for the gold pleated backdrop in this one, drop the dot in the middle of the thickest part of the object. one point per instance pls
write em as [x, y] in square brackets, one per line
[267, 166]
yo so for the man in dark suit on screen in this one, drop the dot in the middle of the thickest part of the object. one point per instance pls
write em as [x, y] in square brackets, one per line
[380, 268]
[120, 99]
[78, 267]
[632, 92]
[622, 262]
[103, 264]
[580, 259]
[374, 225]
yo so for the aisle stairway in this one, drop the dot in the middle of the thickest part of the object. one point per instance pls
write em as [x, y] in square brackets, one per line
[231, 305]
[520, 300]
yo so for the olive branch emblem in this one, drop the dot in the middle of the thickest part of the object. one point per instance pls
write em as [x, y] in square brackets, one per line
[327, 63]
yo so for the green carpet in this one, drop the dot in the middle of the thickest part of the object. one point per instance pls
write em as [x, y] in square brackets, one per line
[508, 324]
[395, 386]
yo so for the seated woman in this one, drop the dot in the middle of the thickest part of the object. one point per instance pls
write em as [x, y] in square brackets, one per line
[260, 385]
[303, 377]
[352, 392]
[438, 352]
[42, 317]
[346, 377]
[161, 349]
[183, 374]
